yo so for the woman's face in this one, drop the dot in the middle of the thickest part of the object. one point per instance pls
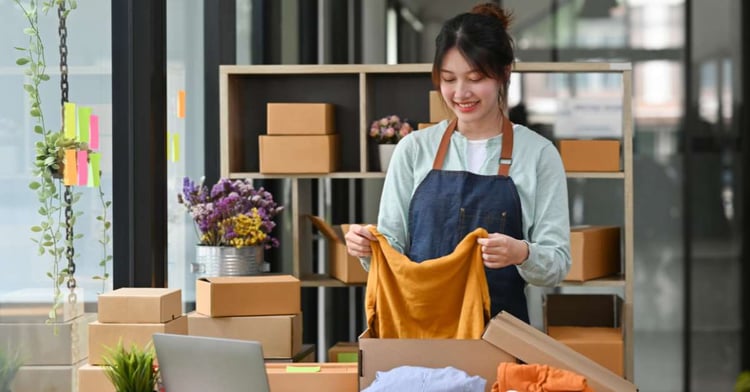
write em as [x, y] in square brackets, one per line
[472, 96]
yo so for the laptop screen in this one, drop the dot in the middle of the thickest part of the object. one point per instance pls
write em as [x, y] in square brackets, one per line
[199, 364]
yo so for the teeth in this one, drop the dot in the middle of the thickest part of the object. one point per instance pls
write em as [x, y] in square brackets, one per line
[466, 105]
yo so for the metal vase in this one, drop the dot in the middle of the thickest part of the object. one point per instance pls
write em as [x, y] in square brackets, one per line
[227, 261]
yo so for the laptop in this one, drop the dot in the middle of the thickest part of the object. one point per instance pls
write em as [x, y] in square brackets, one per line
[199, 364]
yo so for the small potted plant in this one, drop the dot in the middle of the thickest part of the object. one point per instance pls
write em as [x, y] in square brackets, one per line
[388, 131]
[9, 365]
[234, 222]
[131, 370]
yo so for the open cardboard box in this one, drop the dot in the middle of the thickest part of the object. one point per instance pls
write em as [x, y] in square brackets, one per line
[343, 266]
[505, 339]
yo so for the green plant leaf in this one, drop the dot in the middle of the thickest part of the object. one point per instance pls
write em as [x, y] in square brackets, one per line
[23, 61]
[29, 31]
[36, 229]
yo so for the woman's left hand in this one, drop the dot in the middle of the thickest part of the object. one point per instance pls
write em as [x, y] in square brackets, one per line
[500, 250]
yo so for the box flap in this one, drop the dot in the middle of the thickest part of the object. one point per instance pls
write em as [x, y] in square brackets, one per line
[149, 292]
[324, 228]
[532, 346]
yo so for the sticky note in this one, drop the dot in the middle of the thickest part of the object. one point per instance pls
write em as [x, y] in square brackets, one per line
[175, 147]
[94, 132]
[95, 160]
[90, 177]
[303, 369]
[69, 120]
[84, 119]
[83, 167]
[347, 357]
[70, 176]
[181, 104]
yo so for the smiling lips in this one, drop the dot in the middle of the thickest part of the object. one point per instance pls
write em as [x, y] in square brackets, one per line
[466, 107]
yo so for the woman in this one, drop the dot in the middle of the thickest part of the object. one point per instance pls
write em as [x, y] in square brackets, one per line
[478, 170]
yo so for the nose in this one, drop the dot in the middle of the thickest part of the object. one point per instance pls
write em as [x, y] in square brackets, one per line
[462, 90]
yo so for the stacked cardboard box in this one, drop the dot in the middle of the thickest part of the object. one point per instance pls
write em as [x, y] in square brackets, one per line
[330, 377]
[301, 138]
[342, 265]
[51, 351]
[130, 316]
[263, 308]
[344, 352]
[595, 252]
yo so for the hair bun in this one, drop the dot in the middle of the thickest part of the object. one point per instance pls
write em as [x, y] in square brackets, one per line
[493, 10]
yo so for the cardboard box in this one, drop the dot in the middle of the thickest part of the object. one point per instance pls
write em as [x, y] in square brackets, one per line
[306, 355]
[281, 336]
[595, 252]
[344, 352]
[140, 305]
[590, 155]
[33, 305]
[439, 111]
[107, 335]
[329, 377]
[299, 154]
[505, 340]
[261, 295]
[590, 325]
[47, 378]
[424, 125]
[48, 344]
[300, 119]
[342, 265]
[92, 379]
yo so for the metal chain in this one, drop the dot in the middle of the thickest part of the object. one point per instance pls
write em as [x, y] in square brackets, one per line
[62, 31]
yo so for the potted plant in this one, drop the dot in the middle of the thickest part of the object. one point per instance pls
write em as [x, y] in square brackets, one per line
[388, 131]
[131, 370]
[234, 223]
[9, 365]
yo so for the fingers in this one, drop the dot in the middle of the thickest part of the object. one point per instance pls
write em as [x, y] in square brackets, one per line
[358, 240]
[497, 250]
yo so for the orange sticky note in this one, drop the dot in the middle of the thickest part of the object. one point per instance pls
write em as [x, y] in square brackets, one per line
[181, 104]
[70, 174]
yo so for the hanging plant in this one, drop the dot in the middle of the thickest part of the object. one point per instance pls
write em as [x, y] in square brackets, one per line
[54, 235]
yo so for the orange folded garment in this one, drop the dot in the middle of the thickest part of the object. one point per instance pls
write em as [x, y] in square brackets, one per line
[537, 378]
[442, 298]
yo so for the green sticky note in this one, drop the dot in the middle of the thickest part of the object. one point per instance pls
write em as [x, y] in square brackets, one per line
[69, 120]
[347, 357]
[303, 369]
[94, 161]
[84, 119]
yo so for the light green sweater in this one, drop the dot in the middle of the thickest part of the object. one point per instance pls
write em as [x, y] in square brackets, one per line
[536, 170]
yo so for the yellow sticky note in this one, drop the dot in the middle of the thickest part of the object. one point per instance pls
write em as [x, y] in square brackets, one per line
[70, 173]
[175, 147]
[69, 121]
[169, 146]
[95, 160]
[303, 369]
[84, 119]
[181, 104]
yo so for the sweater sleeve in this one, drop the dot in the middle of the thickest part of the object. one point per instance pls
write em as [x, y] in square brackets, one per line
[549, 232]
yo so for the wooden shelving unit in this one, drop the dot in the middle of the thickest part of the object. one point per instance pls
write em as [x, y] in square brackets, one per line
[360, 94]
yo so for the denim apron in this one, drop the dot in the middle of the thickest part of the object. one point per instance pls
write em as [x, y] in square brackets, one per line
[448, 205]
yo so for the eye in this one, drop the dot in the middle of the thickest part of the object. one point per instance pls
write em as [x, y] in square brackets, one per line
[448, 79]
[476, 77]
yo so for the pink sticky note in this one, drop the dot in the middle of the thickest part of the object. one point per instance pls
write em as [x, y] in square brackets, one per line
[83, 168]
[94, 132]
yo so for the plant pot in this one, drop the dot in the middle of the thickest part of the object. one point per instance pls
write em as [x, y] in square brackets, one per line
[213, 261]
[385, 151]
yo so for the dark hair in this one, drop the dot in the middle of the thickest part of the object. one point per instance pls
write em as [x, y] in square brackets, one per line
[481, 36]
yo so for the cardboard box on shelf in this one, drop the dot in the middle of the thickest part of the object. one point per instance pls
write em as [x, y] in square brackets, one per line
[107, 335]
[92, 379]
[300, 118]
[281, 336]
[261, 295]
[590, 155]
[330, 377]
[438, 110]
[305, 354]
[140, 305]
[344, 352]
[342, 265]
[589, 324]
[298, 154]
[595, 252]
[505, 339]
[42, 343]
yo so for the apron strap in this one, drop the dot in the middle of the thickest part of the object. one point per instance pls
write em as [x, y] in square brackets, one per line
[506, 153]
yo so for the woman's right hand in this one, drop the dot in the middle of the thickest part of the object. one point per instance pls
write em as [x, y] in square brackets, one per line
[358, 240]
